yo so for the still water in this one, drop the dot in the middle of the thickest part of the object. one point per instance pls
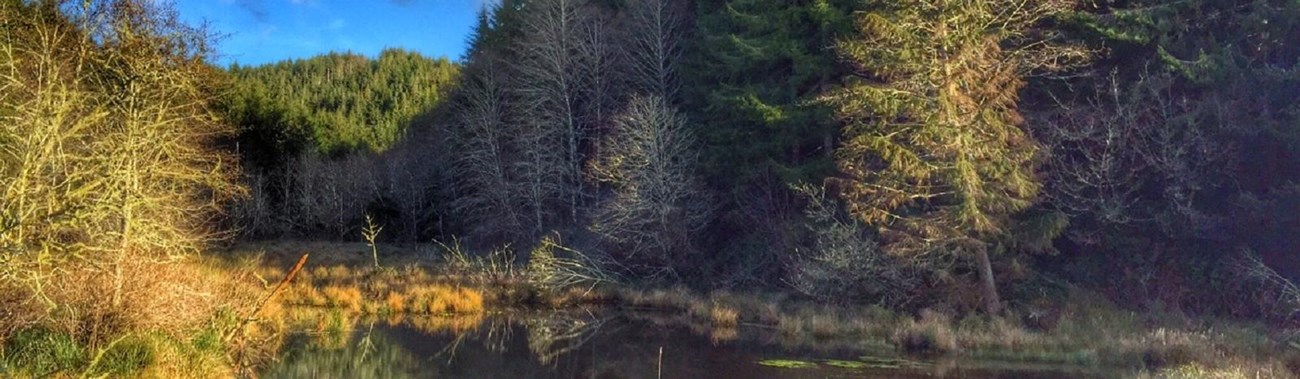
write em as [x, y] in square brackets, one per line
[611, 345]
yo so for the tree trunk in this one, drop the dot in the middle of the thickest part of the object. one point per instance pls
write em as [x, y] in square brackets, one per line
[992, 303]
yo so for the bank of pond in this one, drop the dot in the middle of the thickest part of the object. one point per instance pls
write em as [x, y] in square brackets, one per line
[409, 318]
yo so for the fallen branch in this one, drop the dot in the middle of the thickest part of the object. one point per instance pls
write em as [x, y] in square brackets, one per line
[266, 300]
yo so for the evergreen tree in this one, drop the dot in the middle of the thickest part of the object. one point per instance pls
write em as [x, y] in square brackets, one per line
[934, 153]
[755, 67]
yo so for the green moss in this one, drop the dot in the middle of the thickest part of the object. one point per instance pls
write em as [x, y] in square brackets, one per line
[40, 352]
[787, 363]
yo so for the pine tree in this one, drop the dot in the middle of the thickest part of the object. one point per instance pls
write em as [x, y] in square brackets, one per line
[934, 153]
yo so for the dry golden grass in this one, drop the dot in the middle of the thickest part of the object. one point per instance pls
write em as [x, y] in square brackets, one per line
[348, 298]
[723, 316]
[932, 334]
[346, 293]
[172, 296]
[447, 300]
[396, 302]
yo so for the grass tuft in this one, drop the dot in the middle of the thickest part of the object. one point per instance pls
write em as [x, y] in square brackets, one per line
[42, 352]
[130, 355]
[930, 335]
[723, 316]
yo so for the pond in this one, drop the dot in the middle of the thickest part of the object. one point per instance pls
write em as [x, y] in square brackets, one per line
[605, 345]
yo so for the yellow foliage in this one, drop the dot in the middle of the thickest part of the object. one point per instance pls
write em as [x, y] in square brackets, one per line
[109, 175]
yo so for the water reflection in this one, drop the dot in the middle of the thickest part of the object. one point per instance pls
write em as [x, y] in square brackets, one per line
[598, 345]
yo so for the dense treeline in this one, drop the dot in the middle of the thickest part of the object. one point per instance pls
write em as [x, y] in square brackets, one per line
[312, 132]
[334, 103]
[1144, 149]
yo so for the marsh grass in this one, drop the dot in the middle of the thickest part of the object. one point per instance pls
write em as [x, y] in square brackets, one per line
[723, 316]
[379, 291]
[1085, 329]
[931, 334]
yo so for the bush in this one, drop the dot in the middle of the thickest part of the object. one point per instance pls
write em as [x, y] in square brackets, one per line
[844, 263]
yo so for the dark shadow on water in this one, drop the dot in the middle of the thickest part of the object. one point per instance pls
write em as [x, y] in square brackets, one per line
[605, 346]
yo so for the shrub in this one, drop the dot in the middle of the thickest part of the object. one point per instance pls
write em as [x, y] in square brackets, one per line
[844, 263]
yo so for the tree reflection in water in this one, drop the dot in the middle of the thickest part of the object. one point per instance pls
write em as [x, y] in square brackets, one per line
[597, 345]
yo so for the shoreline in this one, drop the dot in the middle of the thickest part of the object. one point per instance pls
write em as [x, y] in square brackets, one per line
[341, 283]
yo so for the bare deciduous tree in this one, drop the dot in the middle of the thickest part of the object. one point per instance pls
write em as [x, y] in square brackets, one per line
[654, 46]
[603, 83]
[657, 202]
[846, 264]
[549, 76]
[1127, 143]
[109, 126]
[487, 187]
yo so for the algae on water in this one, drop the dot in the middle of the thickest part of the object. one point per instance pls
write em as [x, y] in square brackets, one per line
[846, 364]
[787, 363]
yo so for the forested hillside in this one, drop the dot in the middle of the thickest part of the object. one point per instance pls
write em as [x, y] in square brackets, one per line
[310, 131]
[336, 103]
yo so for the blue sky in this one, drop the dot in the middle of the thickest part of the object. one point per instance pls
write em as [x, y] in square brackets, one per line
[264, 31]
